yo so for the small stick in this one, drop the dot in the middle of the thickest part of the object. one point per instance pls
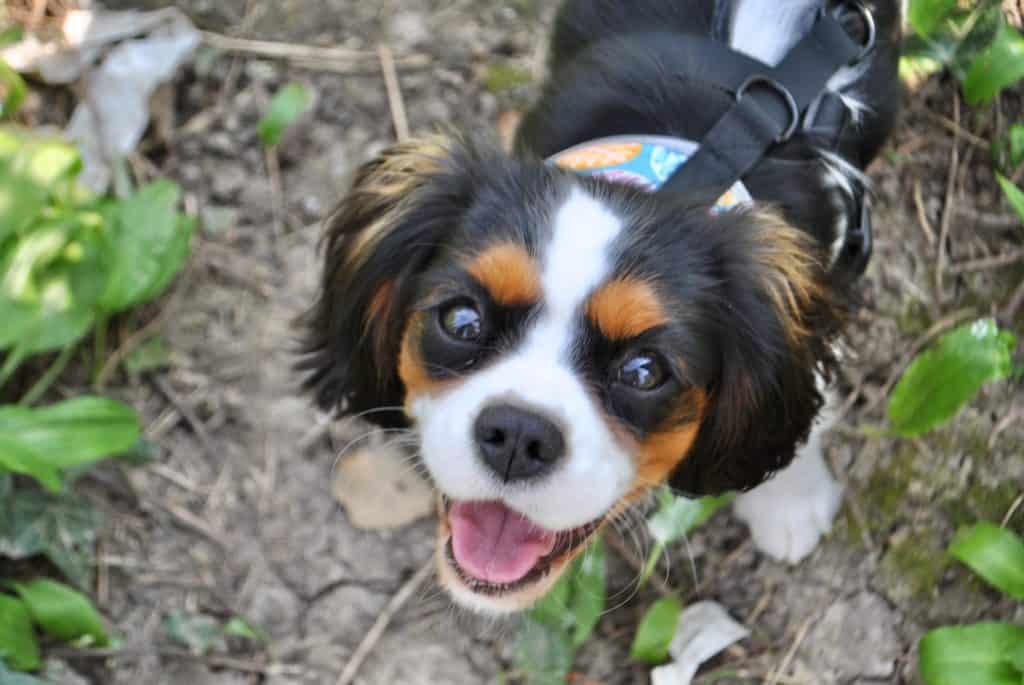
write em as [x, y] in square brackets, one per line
[989, 220]
[947, 208]
[922, 218]
[198, 427]
[133, 341]
[1013, 510]
[394, 89]
[194, 523]
[1015, 303]
[381, 624]
[1006, 259]
[276, 188]
[801, 635]
[1008, 420]
[957, 130]
[290, 51]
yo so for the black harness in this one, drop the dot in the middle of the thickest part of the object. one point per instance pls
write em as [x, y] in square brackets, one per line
[772, 104]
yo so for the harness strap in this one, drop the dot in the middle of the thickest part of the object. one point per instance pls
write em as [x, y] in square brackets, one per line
[768, 109]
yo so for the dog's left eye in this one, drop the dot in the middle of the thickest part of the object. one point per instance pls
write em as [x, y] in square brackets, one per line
[462, 321]
[644, 371]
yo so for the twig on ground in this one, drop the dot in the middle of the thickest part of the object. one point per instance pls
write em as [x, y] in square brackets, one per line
[291, 51]
[989, 220]
[216, 661]
[780, 673]
[276, 188]
[133, 341]
[852, 497]
[1012, 510]
[197, 426]
[615, 541]
[1014, 305]
[956, 129]
[947, 207]
[395, 100]
[1008, 258]
[189, 520]
[1016, 415]
[381, 624]
[937, 329]
[922, 217]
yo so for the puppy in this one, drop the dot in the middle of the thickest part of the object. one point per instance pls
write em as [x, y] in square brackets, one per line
[566, 333]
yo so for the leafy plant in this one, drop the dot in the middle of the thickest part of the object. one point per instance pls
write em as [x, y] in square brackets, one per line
[973, 40]
[56, 610]
[1013, 194]
[203, 634]
[285, 109]
[983, 653]
[656, 631]
[941, 380]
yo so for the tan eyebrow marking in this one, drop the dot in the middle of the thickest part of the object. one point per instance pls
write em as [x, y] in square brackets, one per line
[508, 272]
[625, 308]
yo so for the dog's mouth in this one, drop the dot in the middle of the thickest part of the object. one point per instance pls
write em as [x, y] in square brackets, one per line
[495, 551]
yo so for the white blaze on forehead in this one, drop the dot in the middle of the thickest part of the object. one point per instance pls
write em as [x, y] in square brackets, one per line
[576, 260]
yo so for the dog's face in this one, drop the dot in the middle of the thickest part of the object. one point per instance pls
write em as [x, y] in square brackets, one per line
[562, 345]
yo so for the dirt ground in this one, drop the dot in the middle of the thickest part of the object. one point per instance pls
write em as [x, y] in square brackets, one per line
[237, 517]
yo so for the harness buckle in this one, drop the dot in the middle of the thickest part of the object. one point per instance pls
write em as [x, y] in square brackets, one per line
[866, 18]
[783, 93]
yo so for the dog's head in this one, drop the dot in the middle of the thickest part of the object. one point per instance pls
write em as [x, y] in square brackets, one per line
[562, 345]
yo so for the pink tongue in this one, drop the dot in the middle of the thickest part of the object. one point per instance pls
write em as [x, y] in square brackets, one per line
[495, 544]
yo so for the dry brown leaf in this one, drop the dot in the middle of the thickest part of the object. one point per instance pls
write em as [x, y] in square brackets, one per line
[380, 490]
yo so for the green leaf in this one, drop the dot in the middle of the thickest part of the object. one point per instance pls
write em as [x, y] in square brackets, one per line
[18, 645]
[998, 66]
[239, 627]
[543, 653]
[1014, 195]
[996, 554]
[148, 243]
[11, 34]
[926, 15]
[200, 634]
[62, 612]
[61, 528]
[74, 432]
[37, 167]
[656, 631]
[941, 380]
[285, 108]
[677, 516]
[588, 591]
[12, 90]
[18, 458]
[575, 604]
[979, 654]
[8, 677]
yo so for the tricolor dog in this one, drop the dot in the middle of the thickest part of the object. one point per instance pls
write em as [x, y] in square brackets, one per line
[648, 290]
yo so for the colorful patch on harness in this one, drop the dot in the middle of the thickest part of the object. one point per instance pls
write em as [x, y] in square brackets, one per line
[646, 162]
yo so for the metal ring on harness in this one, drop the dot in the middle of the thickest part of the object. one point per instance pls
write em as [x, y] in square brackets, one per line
[783, 92]
[869, 25]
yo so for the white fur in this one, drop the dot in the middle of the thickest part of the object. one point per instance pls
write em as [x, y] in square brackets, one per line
[596, 471]
[788, 514]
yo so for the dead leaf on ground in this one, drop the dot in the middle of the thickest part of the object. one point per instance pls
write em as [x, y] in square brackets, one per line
[380, 490]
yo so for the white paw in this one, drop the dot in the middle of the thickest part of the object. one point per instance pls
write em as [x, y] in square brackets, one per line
[789, 529]
[788, 514]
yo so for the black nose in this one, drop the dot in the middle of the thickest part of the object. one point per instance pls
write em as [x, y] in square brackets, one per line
[516, 443]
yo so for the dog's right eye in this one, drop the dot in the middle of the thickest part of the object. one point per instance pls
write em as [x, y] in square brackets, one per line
[462, 321]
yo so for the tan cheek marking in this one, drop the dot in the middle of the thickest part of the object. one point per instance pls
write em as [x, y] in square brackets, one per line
[411, 369]
[624, 309]
[508, 273]
[661, 452]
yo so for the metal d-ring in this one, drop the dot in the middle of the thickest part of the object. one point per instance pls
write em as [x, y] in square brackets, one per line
[868, 20]
[783, 92]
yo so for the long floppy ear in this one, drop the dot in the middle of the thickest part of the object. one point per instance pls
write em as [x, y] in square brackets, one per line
[378, 239]
[776, 316]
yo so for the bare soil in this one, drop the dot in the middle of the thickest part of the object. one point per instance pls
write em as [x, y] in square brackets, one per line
[236, 516]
